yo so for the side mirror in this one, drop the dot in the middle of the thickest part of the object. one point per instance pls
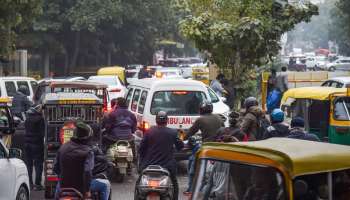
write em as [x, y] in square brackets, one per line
[223, 99]
[300, 188]
[17, 121]
[15, 153]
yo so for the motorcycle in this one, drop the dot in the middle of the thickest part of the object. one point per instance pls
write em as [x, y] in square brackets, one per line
[73, 194]
[154, 184]
[121, 155]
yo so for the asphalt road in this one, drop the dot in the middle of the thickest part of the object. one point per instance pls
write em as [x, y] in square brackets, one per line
[125, 190]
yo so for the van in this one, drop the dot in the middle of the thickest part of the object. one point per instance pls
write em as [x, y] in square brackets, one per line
[10, 84]
[180, 98]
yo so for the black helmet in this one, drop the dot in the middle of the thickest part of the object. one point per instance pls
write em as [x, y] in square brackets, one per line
[250, 101]
[83, 131]
[206, 107]
[162, 118]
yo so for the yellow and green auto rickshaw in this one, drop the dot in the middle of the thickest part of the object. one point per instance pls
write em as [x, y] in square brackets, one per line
[325, 110]
[273, 169]
[113, 71]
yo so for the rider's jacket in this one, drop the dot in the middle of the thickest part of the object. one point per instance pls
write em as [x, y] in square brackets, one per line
[208, 124]
[157, 148]
[75, 162]
[123, 124]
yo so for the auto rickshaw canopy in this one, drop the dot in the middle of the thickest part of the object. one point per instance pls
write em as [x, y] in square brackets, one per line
[114, 70]
[77, 85]
[315, 93]
[293, 156]
[71, 98]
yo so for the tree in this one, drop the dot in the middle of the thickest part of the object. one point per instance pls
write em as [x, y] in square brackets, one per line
[340, 29]
[240, 34]
[14, 16]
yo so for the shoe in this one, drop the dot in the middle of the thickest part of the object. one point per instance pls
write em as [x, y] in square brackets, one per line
[38, 187]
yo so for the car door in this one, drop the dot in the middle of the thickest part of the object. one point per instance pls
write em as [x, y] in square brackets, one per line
[347, 65]
[7, 175]
[341, 65]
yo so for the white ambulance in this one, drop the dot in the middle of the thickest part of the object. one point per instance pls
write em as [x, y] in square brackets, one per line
[180, 98]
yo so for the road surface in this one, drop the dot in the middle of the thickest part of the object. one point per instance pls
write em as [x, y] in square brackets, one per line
[125, 190]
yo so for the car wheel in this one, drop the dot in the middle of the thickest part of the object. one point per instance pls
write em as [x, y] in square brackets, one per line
[22, 194]
[332, 69]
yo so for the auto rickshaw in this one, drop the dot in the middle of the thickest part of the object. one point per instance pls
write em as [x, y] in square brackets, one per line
[201, 74]
[115, 70]
[7, 124]
[60, 111]
[273, 169]
[100, 90]
[324, 109]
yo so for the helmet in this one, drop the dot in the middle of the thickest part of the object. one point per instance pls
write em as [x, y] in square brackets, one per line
[23, 89]
[205, 108]
[277, 115]
[162, 118]
[250, 101]
[83, 131]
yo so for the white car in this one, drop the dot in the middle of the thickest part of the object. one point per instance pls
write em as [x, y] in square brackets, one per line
[115, 88]
[321, 62]
[337, 82]
[10, 84]
[14, 179]
[168, 73]
[339, 64]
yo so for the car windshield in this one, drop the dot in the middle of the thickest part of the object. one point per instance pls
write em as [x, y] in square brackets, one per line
[341, 109]
[177, 102]
[105, 80]
[218, 180]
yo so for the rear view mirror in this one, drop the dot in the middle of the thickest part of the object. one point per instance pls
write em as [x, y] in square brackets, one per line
[300, 188]
[223, 99]
[15, 153]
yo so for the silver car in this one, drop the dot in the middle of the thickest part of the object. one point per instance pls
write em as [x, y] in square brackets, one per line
[342, 64]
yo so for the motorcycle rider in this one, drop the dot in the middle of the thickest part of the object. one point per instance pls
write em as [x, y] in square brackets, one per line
[157, 148]
[208, 123]
[278, 128]
[75, 161]
[297, 130]
[34, 144]
[20, 102]
[250, 122]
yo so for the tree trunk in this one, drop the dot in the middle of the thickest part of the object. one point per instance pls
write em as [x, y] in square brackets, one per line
[74, 59]
[235, 75]
[46, 64]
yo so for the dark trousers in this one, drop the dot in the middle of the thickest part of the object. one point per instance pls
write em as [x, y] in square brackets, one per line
[34, 158]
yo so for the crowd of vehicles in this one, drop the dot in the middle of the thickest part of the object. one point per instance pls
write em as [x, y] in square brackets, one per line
[273, 162]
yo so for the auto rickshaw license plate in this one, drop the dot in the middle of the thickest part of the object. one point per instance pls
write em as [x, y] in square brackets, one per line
[68, 134]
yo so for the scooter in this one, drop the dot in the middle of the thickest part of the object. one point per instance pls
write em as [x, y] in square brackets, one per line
[154, 184]
[121, 155]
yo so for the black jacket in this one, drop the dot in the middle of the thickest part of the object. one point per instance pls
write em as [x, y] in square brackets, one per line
[157, 148]
[74, 165]
[277, 130]
[20, 103]
[34, 128]
[299, 133]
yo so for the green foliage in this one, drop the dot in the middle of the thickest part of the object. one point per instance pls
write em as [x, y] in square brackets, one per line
[240, 34]
[15, 15]
[340, 29]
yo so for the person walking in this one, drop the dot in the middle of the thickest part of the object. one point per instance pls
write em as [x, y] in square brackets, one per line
[34, 145]
[157, 148]
[217, 86]
[282, 80]
[297, 130]
[20, 102]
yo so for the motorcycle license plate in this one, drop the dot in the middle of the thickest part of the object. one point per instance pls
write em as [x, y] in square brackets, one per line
[153, 197]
